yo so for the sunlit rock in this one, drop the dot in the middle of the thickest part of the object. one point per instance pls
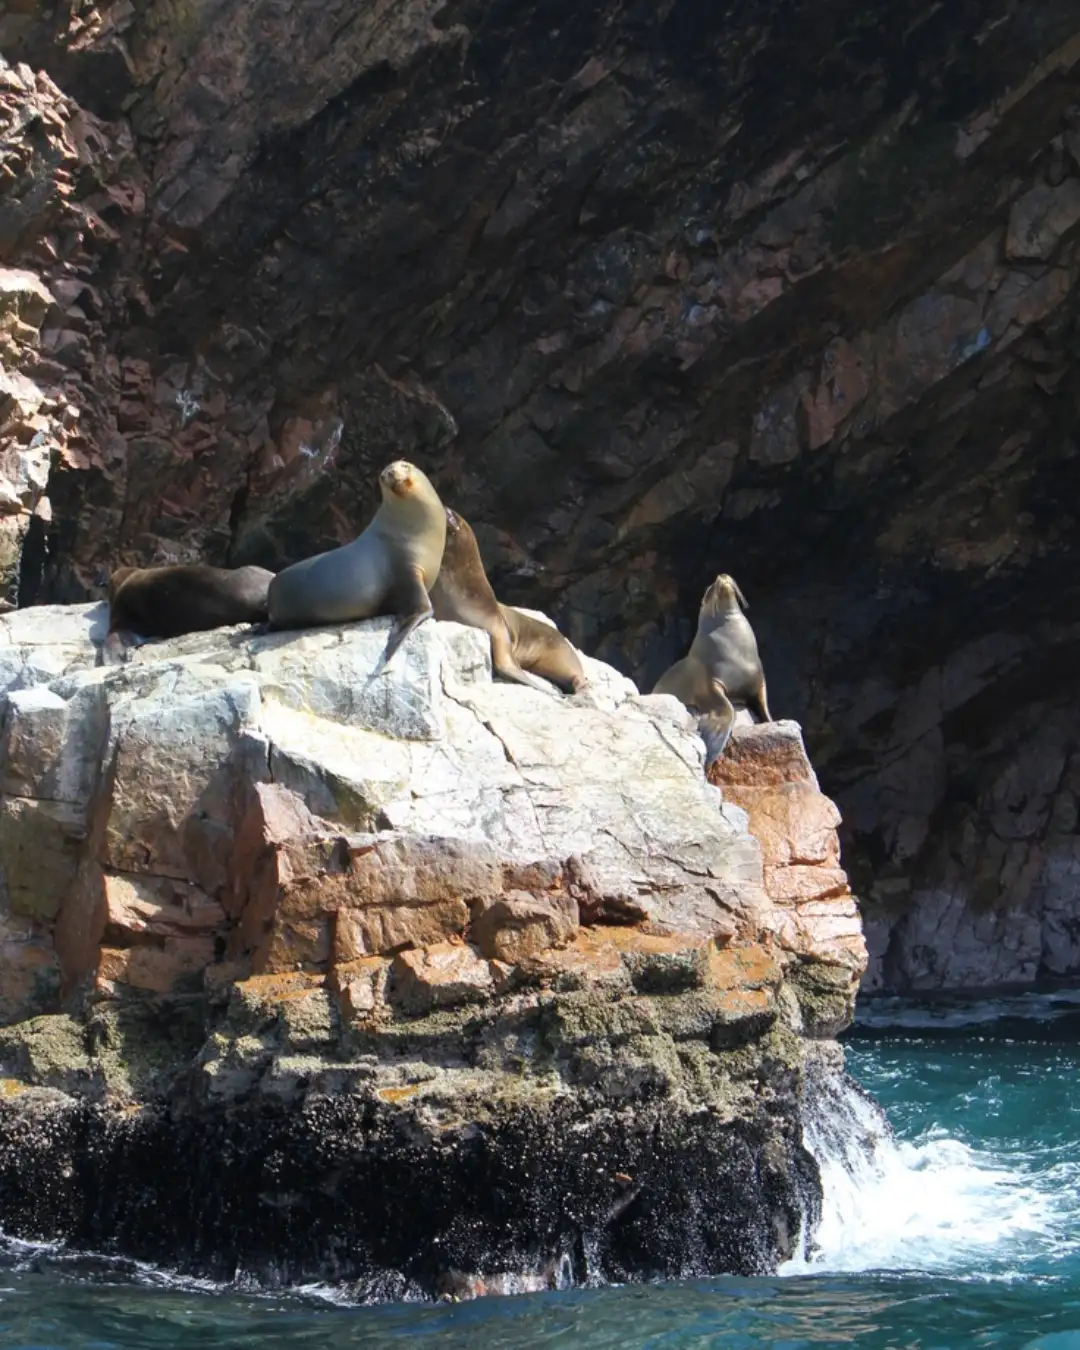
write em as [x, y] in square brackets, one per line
[486, 930]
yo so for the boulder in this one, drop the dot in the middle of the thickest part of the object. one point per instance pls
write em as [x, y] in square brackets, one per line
[416, 926]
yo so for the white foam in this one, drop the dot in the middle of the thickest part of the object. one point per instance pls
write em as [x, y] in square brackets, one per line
[935, 1205]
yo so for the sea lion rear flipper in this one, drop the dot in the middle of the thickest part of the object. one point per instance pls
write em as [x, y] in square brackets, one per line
[504, 664]
[715, 724]
[412, 605]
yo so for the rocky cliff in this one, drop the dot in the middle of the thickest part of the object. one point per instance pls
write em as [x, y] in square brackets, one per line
[423, 983]
[652, 292]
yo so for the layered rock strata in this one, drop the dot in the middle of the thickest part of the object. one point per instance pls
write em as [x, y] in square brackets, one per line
[426, 983]
[788, 291]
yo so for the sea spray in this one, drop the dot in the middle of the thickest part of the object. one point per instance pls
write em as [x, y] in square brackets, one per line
[932, 1204]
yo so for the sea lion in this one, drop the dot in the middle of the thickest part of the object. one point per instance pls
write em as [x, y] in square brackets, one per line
[165, 602]
[722, 667]
[520, 644]
[388, 569]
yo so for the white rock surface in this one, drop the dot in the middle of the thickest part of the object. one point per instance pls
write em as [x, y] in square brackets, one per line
[139, 769]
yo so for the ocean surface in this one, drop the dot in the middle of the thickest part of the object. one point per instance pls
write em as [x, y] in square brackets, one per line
[958, 1227]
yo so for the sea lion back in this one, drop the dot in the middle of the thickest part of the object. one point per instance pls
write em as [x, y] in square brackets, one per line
[541, 648]
[168, 601]
[338, 586]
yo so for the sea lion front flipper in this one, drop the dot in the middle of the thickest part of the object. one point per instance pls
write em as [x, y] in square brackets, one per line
[758, 704]
[412, 605]
[715, 723]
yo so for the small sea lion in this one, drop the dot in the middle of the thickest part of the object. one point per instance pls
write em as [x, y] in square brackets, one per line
[388, 569]
[521, 647]
[722, 667]
[165, 602]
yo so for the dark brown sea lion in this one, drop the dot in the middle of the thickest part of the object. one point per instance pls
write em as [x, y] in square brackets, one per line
[388, 569]
[521, 647]
[164, 602]
[721, 669]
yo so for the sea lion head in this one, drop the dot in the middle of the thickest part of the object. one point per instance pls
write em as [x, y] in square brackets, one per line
[117, 577]
[407, 488]
[722, 595]
[460, 541]
[411, 519]
[399, 479]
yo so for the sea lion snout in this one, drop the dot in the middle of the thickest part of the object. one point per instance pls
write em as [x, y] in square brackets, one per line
[453, 520]
[722, 592]
[398, 477]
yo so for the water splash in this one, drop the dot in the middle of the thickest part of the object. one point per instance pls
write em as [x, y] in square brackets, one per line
[931, 1205]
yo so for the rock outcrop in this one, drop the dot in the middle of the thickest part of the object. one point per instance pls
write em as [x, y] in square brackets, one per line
[789, 291]
[423, 982]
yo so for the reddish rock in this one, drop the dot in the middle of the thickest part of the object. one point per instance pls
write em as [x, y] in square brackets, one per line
[361, 986]
[273, 816]
[765, 755]
[440, 976]
[146, 907]
[518, 926]
[386, 928]
[628, 957]
[262, 994]
[766, 772]
[156, 969]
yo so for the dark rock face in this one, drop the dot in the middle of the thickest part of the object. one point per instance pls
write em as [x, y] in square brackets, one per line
[338, 1189]
[788, 291]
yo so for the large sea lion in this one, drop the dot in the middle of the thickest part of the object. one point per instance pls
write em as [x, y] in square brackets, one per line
[722, 667]
[521, 647]
[386, 570]
[164, 602]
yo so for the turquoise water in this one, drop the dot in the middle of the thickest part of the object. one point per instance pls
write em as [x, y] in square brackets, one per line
[960, 1229]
